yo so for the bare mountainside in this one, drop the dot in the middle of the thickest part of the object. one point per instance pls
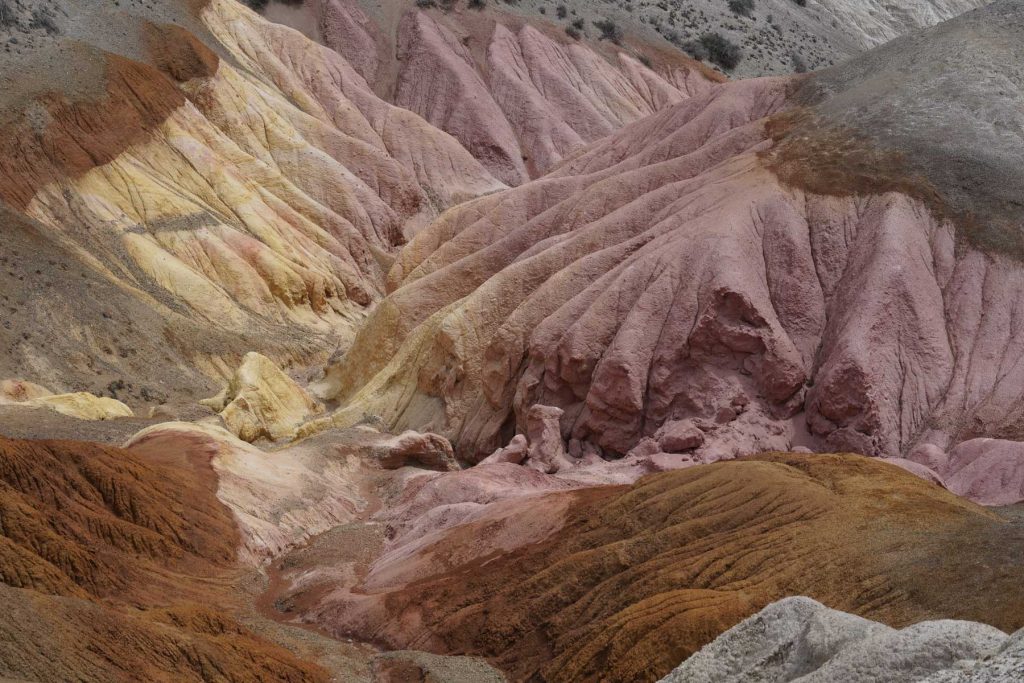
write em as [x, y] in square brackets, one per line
[517, 91]
[776, 263]
[228, 184]
[592, 358]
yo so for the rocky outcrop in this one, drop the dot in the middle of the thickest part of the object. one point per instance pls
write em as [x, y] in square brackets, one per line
[990, 471]
[412, 449]
[262, 402]
[799, 639]
[79, 405]
[623, 583]
[83, 406]
[20, 391]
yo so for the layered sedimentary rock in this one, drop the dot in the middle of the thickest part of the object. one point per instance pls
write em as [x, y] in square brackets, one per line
[238, 184]
[775, 263]
[284, 498]
[799, 639]
[623, 583]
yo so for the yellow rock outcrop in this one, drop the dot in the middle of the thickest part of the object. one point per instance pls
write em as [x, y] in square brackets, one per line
[261, 401]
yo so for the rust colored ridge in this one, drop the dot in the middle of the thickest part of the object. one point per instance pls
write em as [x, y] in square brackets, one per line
[56, 138]
[83, 519]
[179, 53]
[57, 638]
[640, 577]
[118, 566]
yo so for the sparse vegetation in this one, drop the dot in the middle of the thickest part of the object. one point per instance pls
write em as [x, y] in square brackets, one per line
[561, 11]
[609, 30]
[477, 4]
[572, 32]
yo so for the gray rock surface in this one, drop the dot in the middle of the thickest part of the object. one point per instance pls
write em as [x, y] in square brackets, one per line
[800, 640]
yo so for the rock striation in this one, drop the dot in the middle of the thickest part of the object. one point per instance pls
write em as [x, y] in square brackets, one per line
[236, 186]
[520, 95]
[775, 263]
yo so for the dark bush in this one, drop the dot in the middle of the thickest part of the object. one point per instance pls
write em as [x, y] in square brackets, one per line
[477, 4]
[260, 5]
[742, 7]
[572, 32]
[721, 51]
[561, 11]
[43, 18]
[799, 65]
[609, 30]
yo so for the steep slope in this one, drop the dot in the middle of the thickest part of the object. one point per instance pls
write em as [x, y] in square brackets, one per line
[230, 185]
[520, 95]
[623, 583]
[776, 263]
[112, 568]
[798, 639]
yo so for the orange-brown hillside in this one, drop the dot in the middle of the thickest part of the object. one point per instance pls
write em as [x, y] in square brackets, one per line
[113, 568]
[638, 578]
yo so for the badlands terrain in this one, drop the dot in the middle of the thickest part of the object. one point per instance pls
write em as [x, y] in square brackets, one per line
[440, 341]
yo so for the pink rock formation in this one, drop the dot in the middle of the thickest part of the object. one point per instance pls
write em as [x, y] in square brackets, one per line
[514, 452]
[413, 448]
[988, 471]
[546, 451]
[667, 273]
[519, 97]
